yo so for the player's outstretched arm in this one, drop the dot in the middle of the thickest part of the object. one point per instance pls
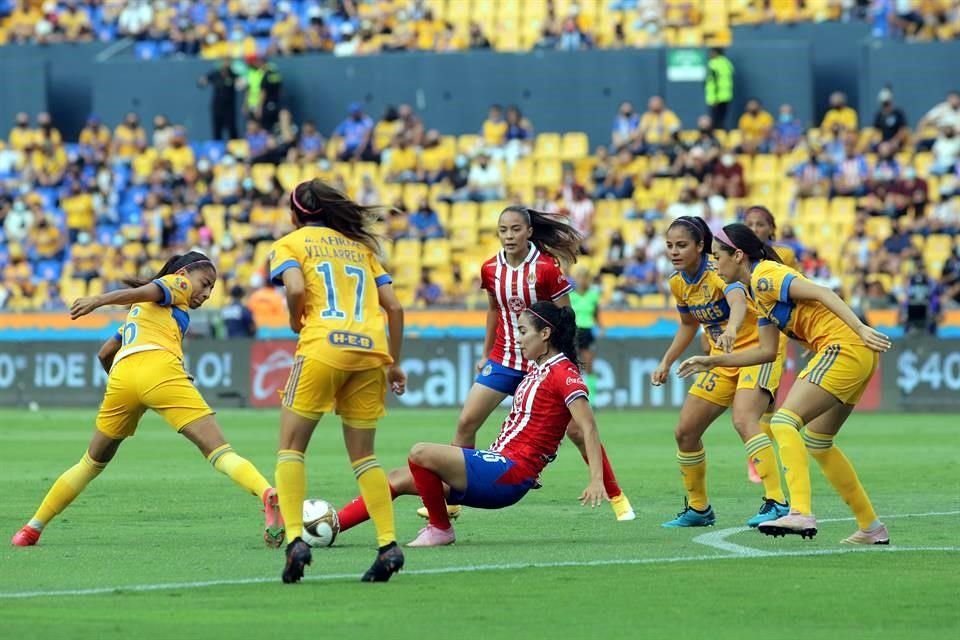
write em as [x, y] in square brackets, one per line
[149, 292]
[582, 414]
[685, 335]
[766, 352]
[806, 290]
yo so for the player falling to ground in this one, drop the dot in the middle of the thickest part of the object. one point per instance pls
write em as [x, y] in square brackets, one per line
[846, 357]
[524, 272]
[585, 302]
[729, 320]
[551, 396]
[336, 288]
[145, 364]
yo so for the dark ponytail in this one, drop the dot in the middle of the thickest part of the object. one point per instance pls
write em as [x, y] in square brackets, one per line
[551, 234]
[739, 236]
[316, 201]
[698, 230]
[190, 261]
[563, 326]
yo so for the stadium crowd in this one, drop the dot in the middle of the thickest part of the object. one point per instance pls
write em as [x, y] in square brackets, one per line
[237, 28]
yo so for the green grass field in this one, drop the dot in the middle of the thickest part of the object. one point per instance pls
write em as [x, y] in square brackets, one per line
[162, 547]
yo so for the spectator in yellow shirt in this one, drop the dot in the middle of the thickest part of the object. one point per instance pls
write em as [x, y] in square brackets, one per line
[78, 205]
[46, 132]
[755, 125]
[48, 241]
[129, 137]
[94, 141]
[75, 23]
[839, 113]
[402, 163]
[494, 131]
[21, 135]
[86, 258]
[179, 154]
[435, 160]
[48, 164]
[658, 126]
[23, 20]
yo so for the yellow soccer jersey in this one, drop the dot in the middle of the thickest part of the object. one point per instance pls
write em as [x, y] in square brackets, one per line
[787, 255]
[704, 297]
[804, 320]
[158, 326]
[343, 324]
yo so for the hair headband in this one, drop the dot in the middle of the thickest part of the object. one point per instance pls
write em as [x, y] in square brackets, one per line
[197, 262]
[296, 203]
[691, 224]
[722, 236]
[765, 212]
[547, 322]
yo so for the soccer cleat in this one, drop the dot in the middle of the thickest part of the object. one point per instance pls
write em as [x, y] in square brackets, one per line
[26, 537]
[769, 510]
[389, 561]
[273, 528]
[431, 536]
[877, 535]
[622, 509]
[793, 523]
[298, 557]
[453, 511]
[690, 517]
[752, 473]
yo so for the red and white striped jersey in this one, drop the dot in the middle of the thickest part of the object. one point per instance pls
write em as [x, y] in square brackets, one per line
[537, 278]
[540, 414]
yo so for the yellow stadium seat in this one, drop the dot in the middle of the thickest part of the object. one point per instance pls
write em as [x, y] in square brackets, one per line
[843, 208]
[238, 148]
[288, 174]
[575, 145]
[406, 294]
[879, 227]
[766, 168]
[463, 237]
[490, 214]
[546, 145]
[468, 143]
[262, 174]
[922, 163]
[508, 39]
[688, 37]
[413, 193]
[436, 253]
[509, 10]
[443, 213]
[548, 173]
[653, 301]
[407, 250]
[521, 174]
[464, 214]
[534, 9]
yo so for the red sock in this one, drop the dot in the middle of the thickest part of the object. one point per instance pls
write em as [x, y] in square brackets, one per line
[430, 488]
[355, 512]
[609, 478]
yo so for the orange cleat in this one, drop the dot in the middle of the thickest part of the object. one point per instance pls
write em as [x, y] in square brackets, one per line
[273, 528]
[26, 537]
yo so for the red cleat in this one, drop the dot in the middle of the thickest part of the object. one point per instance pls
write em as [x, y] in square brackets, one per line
[273, 528]
[26, 537]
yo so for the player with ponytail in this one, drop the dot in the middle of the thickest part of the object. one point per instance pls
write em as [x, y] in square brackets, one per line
[846, 356]
[551, 396]
[144, 360]
[728, 319]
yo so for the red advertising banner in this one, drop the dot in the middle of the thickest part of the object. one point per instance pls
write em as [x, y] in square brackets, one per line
[270, 363]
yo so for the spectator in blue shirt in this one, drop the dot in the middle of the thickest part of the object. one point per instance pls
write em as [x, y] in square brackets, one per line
[356, 132]
[425, 223]
[429, 292]
[626, 127]
[311, 143]
[237, 318]
[788, 131]
[259, 141]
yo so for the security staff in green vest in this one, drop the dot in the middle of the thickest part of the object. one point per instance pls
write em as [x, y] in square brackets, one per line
[585, 302]
[719, 86]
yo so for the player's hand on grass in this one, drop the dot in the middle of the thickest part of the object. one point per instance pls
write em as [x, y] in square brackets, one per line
[694, 365]
[594, 494]
[660, 374]
[725, 341]
[82, 306]
[397, 379]
[874, 339]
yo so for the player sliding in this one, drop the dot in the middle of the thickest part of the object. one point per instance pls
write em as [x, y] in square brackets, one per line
[335, 290]
[703, 298]
[526, 271]
[145, 365]
[846, 357]
[551, 396]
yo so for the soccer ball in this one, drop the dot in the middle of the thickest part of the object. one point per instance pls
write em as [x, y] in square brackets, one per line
[320, 523]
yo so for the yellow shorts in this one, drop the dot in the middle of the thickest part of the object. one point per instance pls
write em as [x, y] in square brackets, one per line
[720, 384]
[315, 388]
[843, 370]
[149, 380]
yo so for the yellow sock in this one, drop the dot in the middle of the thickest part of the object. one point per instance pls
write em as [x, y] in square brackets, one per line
[693, 468]
[841, 474]
[786, 426]
[765, 425]
[376, 495]
[760, 451]
[65, 490]
[225, 460]
[291, 489]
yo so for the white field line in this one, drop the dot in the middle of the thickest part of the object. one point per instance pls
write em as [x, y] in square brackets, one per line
[173, 586]
[718, 539]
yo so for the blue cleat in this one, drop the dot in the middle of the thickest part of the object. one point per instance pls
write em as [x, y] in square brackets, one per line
[770, 510]
[690, 517]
